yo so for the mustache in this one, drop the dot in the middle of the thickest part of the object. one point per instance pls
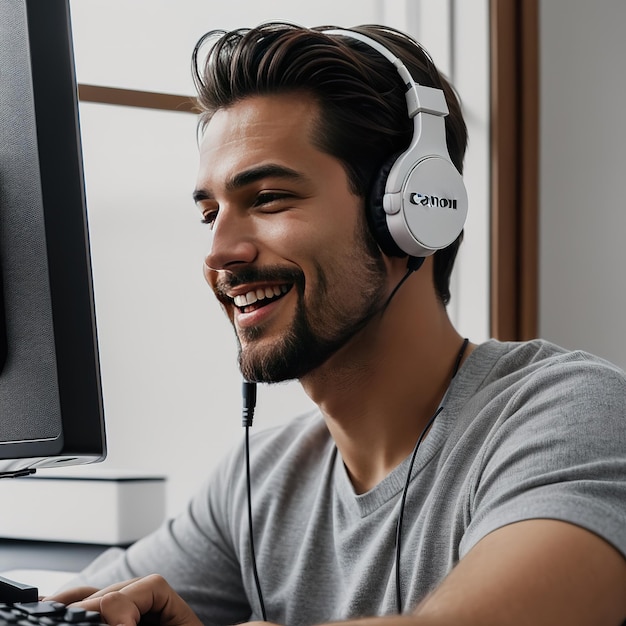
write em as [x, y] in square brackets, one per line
[272, 274]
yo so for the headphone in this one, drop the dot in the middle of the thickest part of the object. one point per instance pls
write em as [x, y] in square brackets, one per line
[418, 203]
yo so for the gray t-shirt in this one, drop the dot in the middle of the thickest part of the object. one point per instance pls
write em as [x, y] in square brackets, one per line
[528, 431]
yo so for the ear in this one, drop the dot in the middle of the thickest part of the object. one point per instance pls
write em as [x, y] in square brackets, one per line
[376, 217]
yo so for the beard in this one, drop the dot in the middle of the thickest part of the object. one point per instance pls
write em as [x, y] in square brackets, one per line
[347, 299]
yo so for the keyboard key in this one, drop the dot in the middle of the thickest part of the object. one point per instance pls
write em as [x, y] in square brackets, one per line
[7, 616]
[46, 613]
[74, 614]
[40, 608]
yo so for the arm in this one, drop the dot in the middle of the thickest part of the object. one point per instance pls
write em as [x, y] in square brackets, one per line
[192, 551]
[539, 572]
[533, 572]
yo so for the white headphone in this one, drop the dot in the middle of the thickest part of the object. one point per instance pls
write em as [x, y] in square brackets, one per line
[419, 202]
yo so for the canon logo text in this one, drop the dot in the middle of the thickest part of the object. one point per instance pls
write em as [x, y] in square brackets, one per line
[432, 201]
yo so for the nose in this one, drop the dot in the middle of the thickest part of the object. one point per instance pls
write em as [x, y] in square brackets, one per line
[232, 242]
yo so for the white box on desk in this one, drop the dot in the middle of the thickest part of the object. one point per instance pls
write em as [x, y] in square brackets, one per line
[105, 507]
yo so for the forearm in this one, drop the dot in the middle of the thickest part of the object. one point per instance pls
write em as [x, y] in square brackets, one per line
[537, 573]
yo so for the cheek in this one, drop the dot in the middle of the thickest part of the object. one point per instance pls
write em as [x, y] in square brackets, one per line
[324, 237]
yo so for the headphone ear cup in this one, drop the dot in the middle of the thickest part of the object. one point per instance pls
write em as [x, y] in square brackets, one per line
[376, 215]
[417, 223]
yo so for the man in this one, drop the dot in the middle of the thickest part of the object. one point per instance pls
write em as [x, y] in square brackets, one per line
[440, 482]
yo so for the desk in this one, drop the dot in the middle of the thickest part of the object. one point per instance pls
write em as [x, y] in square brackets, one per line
[68, 557]
[43, 564]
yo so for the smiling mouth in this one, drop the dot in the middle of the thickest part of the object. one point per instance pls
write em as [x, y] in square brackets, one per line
[260, 297]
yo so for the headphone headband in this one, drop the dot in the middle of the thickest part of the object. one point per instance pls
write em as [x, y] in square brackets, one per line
[419, 204]
[419, 98]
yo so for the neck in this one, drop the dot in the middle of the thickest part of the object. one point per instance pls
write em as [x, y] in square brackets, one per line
[378, 392]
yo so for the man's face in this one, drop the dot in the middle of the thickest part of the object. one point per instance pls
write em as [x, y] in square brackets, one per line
[291, 259]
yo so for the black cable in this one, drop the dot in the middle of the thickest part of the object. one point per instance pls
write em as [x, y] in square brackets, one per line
[455, 369]
[402, 504]
[459, 358]
[247, 415]
[413, 264]
[255, 572]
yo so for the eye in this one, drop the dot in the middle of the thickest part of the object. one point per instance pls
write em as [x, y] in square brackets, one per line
[209, 217]
[269, 197]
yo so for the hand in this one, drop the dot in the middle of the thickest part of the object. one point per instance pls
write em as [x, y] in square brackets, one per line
[126, 603]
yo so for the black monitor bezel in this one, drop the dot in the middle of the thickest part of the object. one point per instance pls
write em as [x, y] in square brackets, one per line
[67, 241]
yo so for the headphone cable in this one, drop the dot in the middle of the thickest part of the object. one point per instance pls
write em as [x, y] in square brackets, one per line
[405, 491]
[247, 415]
[413, 264]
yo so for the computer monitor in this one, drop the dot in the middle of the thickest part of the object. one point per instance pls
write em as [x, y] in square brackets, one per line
[51, 410]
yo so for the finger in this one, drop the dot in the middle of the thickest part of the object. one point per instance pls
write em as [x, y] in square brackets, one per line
[97, 593]
[92, 601]
[118, 609]
[71, 595]
[87, 598]
[124, 604]
[153, 594]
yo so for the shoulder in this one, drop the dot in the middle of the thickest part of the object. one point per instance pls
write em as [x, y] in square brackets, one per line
[538, 391]
[551, 441]
[277, 457]
[575, 383]
[523, 372]
[276, 452]
[517, 389]
[531, 356]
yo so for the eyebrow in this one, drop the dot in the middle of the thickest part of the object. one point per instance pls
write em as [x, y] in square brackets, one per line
[252, 175]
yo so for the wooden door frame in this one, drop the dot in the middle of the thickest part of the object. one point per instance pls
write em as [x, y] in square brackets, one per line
[514, 31]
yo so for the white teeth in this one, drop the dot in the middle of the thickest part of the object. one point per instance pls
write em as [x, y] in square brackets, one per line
[251, 297]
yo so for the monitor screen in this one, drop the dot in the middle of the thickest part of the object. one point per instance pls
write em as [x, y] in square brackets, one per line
[51, 409]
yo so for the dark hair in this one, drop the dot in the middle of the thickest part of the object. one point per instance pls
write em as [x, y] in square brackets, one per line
[363, 112]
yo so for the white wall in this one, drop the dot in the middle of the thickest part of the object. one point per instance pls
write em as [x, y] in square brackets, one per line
[583, 164]
[469, 307]
[170, 380]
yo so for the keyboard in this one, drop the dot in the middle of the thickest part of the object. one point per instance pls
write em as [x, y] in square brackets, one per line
[44, 613]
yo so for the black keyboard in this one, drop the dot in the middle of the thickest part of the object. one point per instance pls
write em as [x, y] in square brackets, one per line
[46, 614]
